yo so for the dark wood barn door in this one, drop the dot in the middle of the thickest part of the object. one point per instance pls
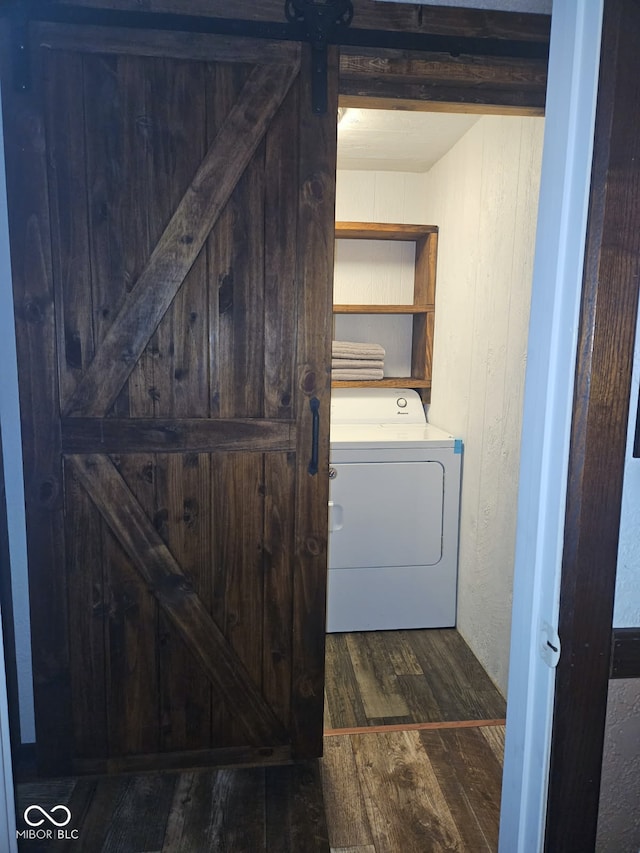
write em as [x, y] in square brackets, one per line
[171, 202]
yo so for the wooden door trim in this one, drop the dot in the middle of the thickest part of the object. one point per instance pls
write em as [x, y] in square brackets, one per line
[181, 242]
[314, 258]
[402, 17]
[30, 239]
[455, 58]
[175, 594]
[625, 653]
[598, 441]
[391, 79]
[166, 44]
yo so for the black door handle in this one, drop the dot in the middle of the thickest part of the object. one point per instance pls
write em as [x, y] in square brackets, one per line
[314, 405]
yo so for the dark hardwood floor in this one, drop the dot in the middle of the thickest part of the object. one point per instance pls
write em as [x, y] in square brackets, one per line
[247, 810]
[394, 677]
[412, 764]
[414, 791]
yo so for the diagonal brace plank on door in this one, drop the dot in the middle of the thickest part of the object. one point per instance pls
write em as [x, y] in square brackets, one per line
[182, 240]
[165, 579]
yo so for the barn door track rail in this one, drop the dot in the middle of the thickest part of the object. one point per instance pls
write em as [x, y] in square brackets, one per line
[319, 22]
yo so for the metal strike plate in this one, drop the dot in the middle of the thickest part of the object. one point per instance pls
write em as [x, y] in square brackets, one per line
[549, 645]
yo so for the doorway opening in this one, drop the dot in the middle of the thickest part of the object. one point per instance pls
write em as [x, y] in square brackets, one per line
[476, 177]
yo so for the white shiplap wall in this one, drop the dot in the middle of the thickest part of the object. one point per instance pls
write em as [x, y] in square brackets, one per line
[375, 270]
[483, 196]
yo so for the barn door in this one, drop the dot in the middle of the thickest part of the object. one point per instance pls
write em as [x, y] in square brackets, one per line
[171, 205]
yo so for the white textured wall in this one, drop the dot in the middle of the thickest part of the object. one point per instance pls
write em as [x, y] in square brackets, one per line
[379, 197]
[377, 271]
[483, 195]
[619, 816]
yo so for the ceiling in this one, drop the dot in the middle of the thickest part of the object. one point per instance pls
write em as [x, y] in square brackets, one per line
[397, 140]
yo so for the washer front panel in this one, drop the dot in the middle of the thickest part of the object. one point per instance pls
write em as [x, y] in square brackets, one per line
[386, 514]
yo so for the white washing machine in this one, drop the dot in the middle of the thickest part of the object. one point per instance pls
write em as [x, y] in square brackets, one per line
[393, 514]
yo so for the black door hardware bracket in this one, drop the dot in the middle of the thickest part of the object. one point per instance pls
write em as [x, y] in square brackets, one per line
[321, 21]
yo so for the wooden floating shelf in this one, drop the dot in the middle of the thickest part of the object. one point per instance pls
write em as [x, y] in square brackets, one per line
[422, 309]
[382, 231]
[387, 382]
[382, 309]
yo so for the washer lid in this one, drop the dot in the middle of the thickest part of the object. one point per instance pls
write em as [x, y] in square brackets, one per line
[396, 406]
[385, 436]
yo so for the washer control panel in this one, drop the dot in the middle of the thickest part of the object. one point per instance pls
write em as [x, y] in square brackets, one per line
[376, 406]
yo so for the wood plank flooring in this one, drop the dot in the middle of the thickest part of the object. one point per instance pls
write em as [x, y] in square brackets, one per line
[414, 791]
[412, 764]
[394, 677]
[248, 810]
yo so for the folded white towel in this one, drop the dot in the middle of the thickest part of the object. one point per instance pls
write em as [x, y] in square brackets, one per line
[357, 363]
[353, 349]
[361, 373]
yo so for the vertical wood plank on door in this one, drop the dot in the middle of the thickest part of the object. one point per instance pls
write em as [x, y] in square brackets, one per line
[242, 321]
[238, 519]
[185, 525]
[280, 311]
[140, 230]
[30, 239]
[107, 179]
[316, 230]
[178, 354]
[132, 628]
[223, 84]
[281, 293]
[69, 215]
[278, 582]
[178, 120]
[87, 601]
[132, 670]
[72, 275]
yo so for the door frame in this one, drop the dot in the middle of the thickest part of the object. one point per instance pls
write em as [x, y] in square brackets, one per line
[548, 409]
[533, 785]
[599, 430]
[8, 417]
